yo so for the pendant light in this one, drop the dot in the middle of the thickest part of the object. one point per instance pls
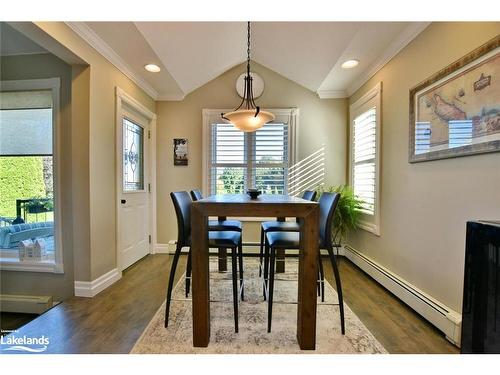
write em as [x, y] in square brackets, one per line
[247, 116]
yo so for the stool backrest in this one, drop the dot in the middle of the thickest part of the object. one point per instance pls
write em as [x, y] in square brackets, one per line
[328, 203]
[182, 204]
[196, 195]
[309, 195]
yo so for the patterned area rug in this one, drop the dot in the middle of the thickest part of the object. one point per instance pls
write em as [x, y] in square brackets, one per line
[253, 337]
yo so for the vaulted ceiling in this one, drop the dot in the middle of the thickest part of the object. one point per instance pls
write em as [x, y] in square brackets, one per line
[191, 54]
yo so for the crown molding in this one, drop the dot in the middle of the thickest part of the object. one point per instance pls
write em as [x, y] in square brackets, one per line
[332, 94]
[170, 97]
[406, 36]
[89, 36]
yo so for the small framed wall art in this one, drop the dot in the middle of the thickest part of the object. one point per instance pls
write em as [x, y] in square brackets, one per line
[180, 151]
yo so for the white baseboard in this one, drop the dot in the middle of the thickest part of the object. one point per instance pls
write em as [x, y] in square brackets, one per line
[438, 314]
[168, 248]
[162, 248]
[92, 288]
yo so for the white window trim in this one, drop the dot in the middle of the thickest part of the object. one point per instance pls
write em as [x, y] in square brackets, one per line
[356, 108]
[12, 263]
[288, 115]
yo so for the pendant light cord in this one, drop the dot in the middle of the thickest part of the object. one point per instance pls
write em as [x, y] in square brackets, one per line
[248, 48]
[247, 99]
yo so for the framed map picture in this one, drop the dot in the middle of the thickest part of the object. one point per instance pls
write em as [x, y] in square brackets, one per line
[456, 112]
[180, 151]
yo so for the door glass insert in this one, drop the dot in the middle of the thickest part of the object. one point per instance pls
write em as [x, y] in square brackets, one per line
[133, 156]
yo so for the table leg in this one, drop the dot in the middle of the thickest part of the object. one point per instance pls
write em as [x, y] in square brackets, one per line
[308, 272]
[200, 278]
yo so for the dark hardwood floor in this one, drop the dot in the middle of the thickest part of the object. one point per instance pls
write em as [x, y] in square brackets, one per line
[112, 321]
[394, 324]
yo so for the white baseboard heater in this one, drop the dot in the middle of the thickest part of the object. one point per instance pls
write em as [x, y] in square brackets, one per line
[25, 304]
[442, 317]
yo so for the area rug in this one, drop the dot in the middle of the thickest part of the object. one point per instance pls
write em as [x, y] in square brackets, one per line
[253, 337]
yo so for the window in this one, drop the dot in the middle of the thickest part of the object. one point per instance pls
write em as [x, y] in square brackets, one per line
[364, 160]
[29, 224]
[133, 156]
[236, 161]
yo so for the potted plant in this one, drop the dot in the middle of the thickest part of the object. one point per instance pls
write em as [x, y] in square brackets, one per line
[347, 214]
[39, 205]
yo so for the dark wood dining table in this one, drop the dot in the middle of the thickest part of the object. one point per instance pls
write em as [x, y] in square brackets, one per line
[241, 205]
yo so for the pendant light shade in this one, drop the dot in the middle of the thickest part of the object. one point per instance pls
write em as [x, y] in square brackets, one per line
[247, 121]
[247, 116]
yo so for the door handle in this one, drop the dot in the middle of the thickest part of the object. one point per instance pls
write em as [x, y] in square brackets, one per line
[123, 201]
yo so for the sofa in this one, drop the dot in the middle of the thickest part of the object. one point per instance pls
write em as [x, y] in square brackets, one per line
[11, 235]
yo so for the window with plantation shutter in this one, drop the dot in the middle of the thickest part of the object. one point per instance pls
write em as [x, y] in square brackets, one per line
[228, 159]
[365, 127]
[364, 161]
[270, 158]
[236, 161]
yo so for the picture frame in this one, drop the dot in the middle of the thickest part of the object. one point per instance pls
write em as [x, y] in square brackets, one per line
[181, 151]
[456, 112]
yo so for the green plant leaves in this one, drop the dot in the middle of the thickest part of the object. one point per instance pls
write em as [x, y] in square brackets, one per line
[347, 215]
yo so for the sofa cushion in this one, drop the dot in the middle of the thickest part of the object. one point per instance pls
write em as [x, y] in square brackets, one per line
[26, 226]
[12, 234]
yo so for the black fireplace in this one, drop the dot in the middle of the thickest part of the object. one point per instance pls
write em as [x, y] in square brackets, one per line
[481, 303]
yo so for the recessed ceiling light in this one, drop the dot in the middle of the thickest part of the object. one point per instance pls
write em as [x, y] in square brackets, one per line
[350, 64]
[153, 68]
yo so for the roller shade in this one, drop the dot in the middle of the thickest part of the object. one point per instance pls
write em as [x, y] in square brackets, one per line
[364, 158]
[26, 99]
[26, 123]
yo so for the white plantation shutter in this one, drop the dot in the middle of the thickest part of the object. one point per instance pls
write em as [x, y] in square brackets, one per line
[365, 127]
[239, 160]
[270, 158]
[364, 161]
[228, 156]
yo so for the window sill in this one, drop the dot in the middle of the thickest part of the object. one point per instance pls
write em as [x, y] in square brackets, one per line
[10, 263]
[370, 227]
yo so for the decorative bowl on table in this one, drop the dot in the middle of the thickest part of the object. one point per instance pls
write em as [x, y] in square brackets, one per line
[253, 193]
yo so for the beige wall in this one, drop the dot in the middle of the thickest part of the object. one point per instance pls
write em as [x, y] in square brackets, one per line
[424, 206]
[36, 67]
[104, 78]
[320, 122]
[92, 157]
[80, 161]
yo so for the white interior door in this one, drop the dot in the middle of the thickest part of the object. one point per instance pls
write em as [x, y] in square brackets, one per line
[134, 237]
